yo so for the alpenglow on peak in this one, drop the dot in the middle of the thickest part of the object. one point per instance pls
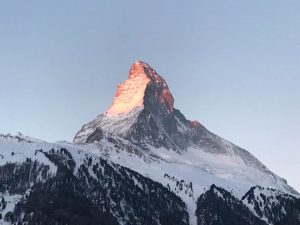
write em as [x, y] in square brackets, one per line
[143, 82]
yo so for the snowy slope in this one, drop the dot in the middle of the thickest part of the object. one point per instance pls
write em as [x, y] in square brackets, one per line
[188, 174]
[194, 167]
[80, 165]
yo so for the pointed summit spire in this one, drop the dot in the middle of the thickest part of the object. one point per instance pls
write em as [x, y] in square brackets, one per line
[137, 69]
[143, 81]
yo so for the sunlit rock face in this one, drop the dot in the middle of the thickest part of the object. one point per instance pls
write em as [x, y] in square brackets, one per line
[143, 88]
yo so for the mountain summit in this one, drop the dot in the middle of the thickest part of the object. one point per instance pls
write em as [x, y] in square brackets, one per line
[143, 112]
[143, 88]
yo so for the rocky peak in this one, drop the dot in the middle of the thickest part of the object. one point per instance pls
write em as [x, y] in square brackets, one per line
[143, 88]
[143, 113]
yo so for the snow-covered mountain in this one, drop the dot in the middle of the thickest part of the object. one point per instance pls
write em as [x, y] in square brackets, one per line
[140, 162]
[142, 118]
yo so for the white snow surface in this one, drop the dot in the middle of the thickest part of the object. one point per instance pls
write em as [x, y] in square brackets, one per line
[194, 166]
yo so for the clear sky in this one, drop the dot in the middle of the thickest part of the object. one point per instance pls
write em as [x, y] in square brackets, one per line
[233, 65]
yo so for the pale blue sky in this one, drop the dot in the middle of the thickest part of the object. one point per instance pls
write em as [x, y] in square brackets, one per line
[233, 65]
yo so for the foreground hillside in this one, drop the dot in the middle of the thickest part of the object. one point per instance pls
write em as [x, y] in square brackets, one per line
[62, 183]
